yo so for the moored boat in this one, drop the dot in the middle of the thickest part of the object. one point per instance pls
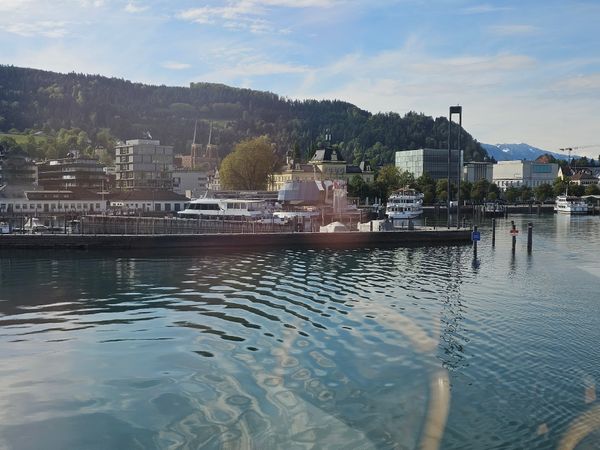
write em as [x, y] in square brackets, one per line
[226, 208]
[493, 208]
[566, 204]
[404, 203]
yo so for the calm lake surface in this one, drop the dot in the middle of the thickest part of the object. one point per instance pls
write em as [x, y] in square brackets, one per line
[307, 349]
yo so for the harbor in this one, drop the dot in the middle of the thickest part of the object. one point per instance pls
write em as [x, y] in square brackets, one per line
[252, 348]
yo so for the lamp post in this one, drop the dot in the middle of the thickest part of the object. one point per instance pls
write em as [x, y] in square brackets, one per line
[454, 110]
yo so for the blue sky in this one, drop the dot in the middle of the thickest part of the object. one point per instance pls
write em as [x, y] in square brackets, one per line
[524, 71]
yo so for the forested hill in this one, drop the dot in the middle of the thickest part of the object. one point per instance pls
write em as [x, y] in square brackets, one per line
[40, 100]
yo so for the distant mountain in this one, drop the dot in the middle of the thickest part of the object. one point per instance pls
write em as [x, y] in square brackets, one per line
[511, 152]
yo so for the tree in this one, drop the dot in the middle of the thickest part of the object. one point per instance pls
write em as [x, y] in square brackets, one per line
[576, 189]
[525, 193]
[465, 190]
[407, 179]
[249, 166]
[592, 189]
[512, 194]
[357, 187]
[441, 189]
[480, 190]
[543, 192]
[559, 186]
[388, 179]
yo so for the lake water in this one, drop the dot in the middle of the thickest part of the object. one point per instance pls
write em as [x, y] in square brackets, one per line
[375, 348]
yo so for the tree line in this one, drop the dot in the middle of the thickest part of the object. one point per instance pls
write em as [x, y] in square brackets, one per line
[110, 109]
[389, 178]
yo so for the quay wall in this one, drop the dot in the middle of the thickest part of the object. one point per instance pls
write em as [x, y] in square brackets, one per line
[236, 241]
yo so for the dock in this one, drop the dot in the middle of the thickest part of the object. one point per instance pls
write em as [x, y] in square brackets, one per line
[234, 241]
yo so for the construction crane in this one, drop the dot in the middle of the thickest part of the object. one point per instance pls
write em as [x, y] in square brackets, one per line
[570, 149]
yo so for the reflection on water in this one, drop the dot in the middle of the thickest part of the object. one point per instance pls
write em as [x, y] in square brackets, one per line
[384, 348]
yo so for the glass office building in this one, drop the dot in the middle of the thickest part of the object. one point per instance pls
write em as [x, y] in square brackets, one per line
[433, 161]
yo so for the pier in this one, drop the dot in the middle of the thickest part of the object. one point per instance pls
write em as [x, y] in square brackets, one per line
[350, 239]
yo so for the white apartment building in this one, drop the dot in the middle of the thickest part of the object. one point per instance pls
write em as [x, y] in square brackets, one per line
[475, 171]
[524, 173]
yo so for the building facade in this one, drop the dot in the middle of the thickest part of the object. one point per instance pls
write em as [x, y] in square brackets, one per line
[475, 171]
[16, 168]
[147, 201]
[524, 173]
[432, 161]
[327, 163]
[72, 174]
[34, 203]
[143, 164]
[191, 183]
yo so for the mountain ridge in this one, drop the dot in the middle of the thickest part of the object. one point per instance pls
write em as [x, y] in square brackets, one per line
[509, 152]
[42, 100]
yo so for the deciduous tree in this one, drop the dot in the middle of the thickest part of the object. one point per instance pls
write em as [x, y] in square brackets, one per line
[249, 166]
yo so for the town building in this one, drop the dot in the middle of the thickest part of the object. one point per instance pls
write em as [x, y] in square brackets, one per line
[524, 173]
[72, 173]
[144, 164]
[35, 203]
[16, 168]
[147, 201]
[327, 163]
[475, 171]
[191, 183]
[585, 176]
[432, 161]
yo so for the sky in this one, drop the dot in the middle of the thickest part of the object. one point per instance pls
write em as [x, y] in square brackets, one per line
[524, 71]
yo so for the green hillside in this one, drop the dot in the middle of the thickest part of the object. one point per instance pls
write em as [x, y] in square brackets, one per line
[96, 108]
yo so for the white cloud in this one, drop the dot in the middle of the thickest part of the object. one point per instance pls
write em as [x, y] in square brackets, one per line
[135, 8]
[484, 8]
[583, 84]
[92, 3]
[46, 28]
[512, 30]
[173, 65]
[251, 67]
[248, 14]
[10, 6]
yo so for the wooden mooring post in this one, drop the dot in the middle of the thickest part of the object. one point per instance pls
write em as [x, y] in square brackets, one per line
[529, 237]
[513, 232]
[493, 231]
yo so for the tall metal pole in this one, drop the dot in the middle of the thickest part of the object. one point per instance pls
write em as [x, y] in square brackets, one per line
[454, 110]
[459, 171]
[449, 152]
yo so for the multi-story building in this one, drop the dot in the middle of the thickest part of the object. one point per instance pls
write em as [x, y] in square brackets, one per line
[191, 183]
[433, 161]
[75, 173]
[327, 163]
[144, 163]
[524, 173]
[16, 168]
[475, 171]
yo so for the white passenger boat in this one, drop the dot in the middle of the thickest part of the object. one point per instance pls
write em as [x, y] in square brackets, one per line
[404, 204]
[227, 208]
[493, 208]
[566, 204]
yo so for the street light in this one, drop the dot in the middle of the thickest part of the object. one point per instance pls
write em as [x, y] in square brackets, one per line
[454, 110]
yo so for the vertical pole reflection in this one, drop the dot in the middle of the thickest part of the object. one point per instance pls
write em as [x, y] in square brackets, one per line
[437, 411]
[582, 426]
